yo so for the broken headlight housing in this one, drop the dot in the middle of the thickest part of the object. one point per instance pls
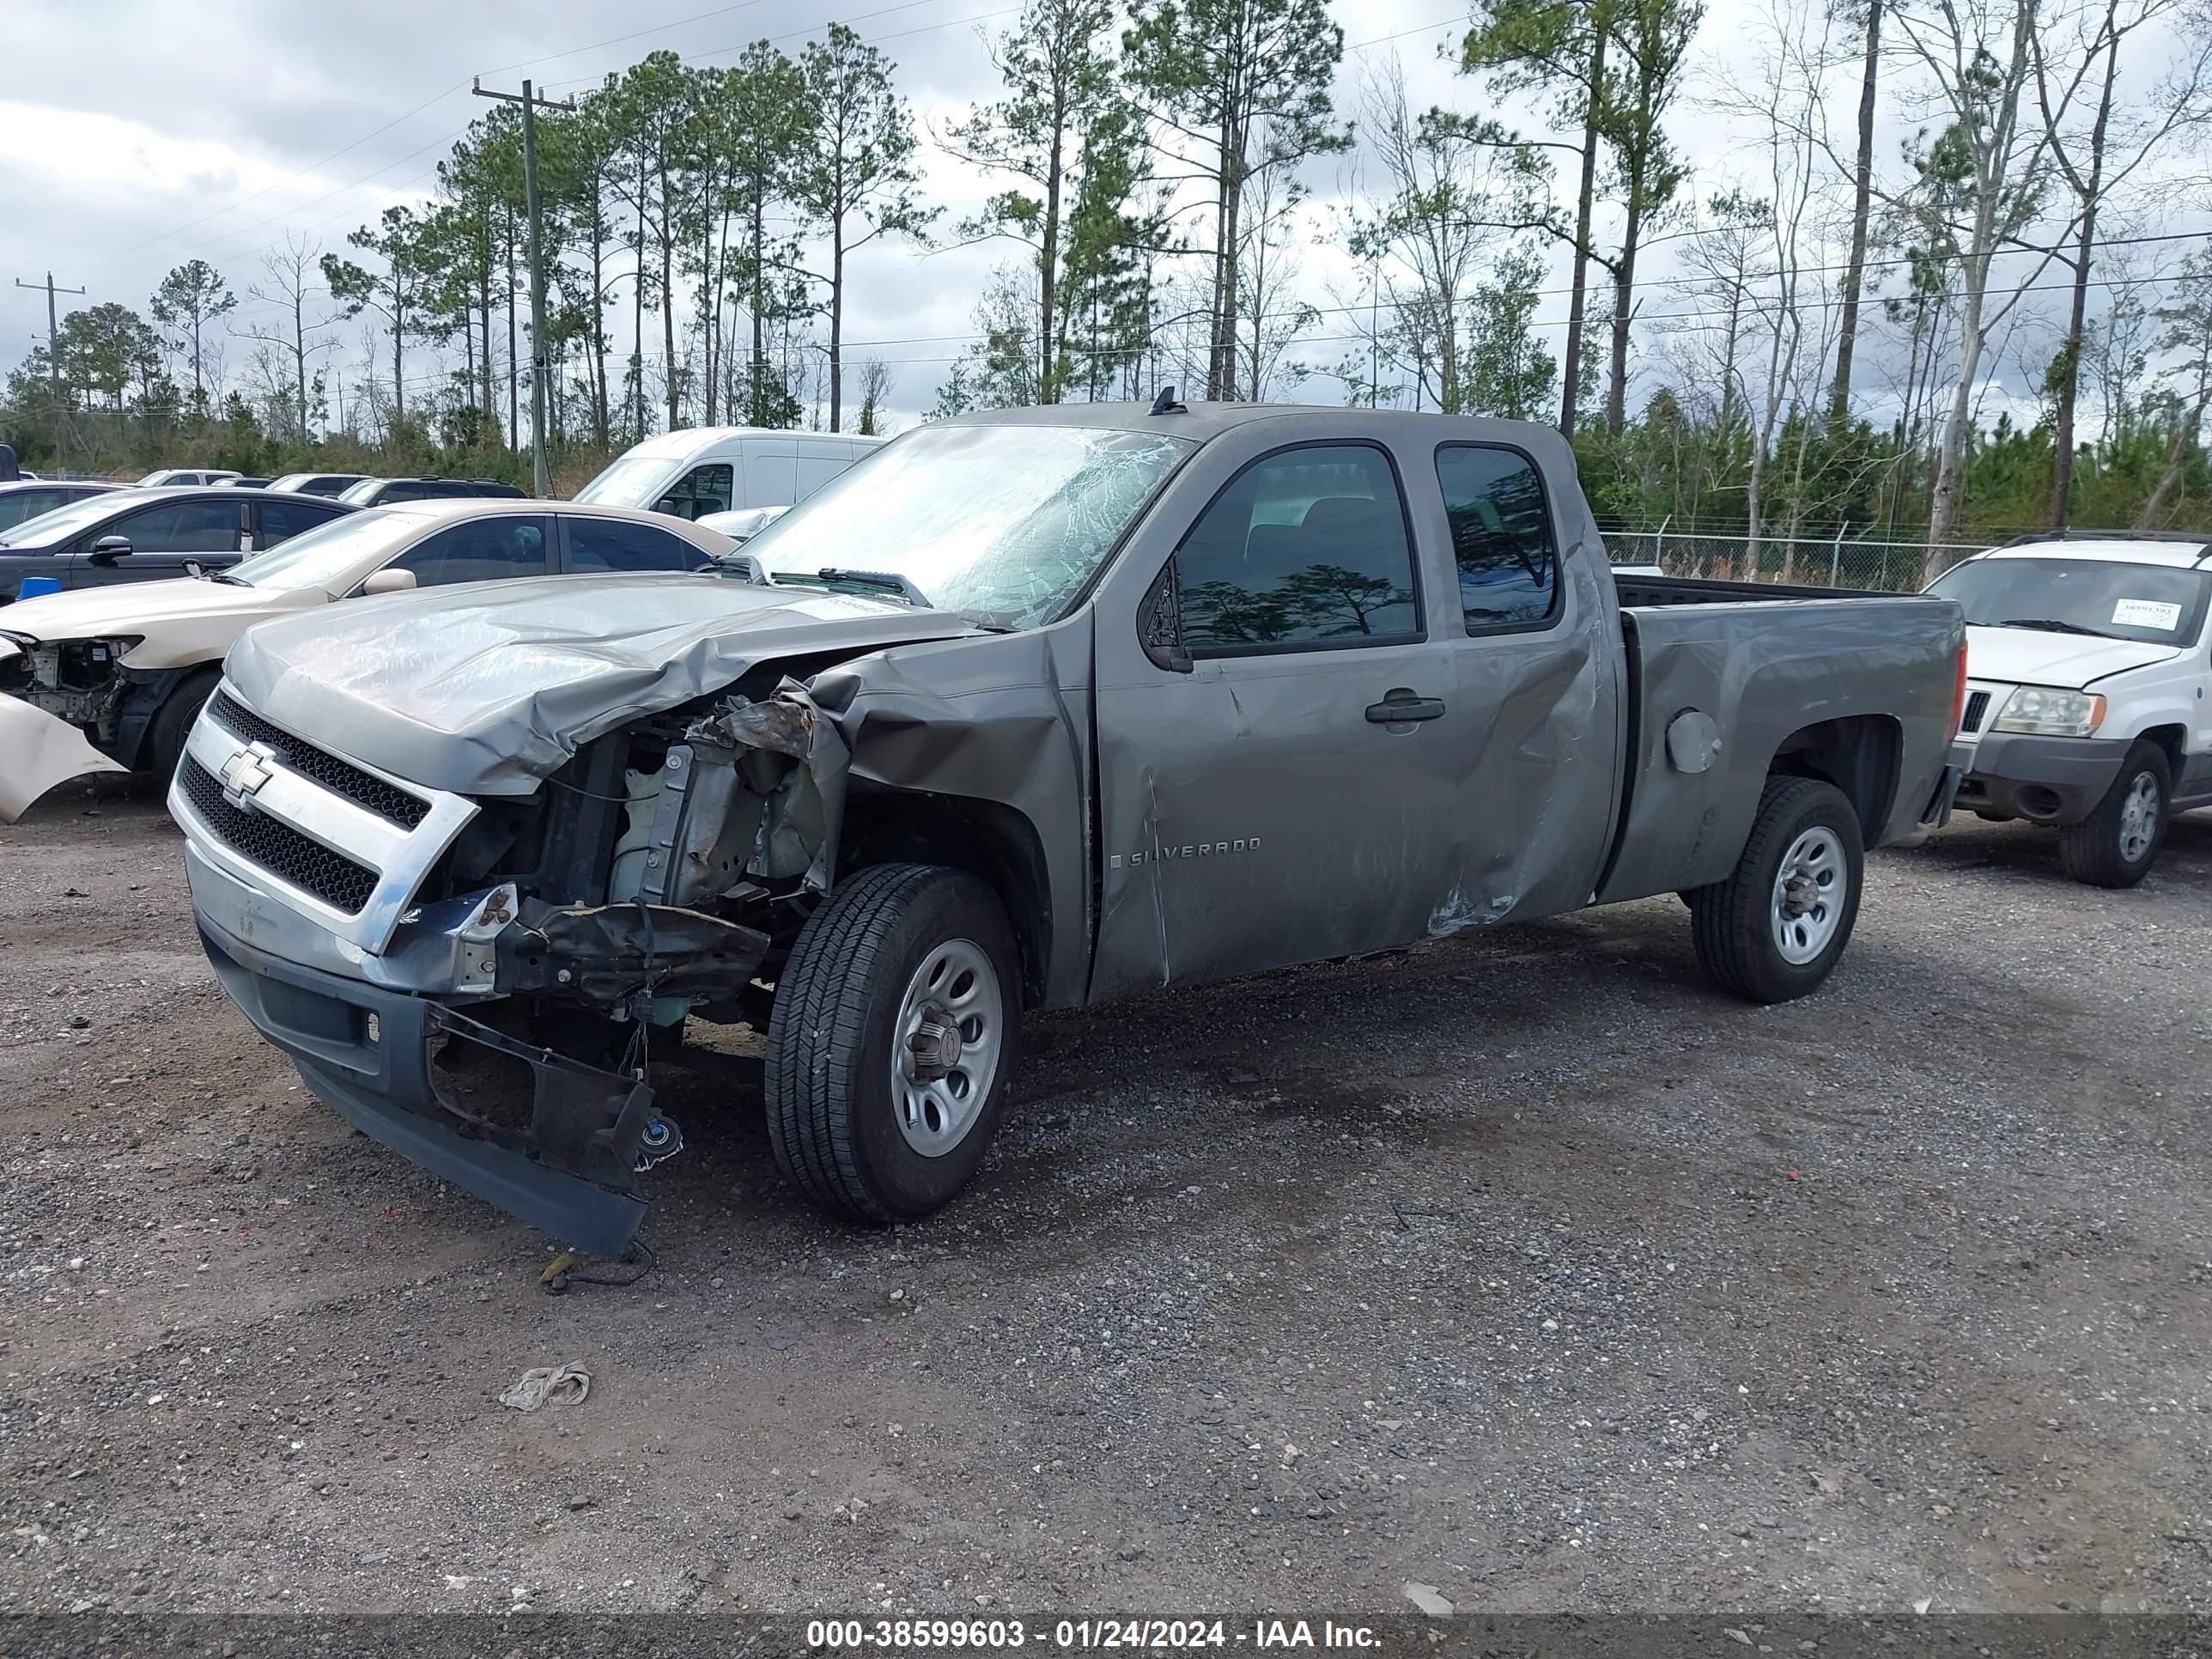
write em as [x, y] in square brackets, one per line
[2048, 711]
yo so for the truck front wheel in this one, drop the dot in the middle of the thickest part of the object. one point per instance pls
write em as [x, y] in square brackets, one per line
[1775, 928]
[893, 1038]
[2115, 845]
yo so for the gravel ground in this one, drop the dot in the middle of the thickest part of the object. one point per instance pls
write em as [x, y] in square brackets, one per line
[1521, 1266]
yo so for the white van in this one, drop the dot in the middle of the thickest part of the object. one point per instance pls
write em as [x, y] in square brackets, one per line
[720, 469]
[2089, 656]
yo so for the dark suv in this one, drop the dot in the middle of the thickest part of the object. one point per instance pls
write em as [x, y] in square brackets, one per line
[142, 535]
[383, 492]
[29, 498]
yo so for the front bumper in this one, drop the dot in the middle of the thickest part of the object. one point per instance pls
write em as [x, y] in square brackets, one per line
[2054, 780]
[38, 752]
[571, 1166]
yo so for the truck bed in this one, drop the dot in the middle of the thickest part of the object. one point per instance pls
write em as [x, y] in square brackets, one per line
[1855, 686]
[1641, 592]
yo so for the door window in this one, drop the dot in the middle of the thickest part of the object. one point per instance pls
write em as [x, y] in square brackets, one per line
[278, 520]
[1501, 536]
[1305, 549]
[18, 504]
[478, 551]
[703, 489]
[613, 544]
[182, 527]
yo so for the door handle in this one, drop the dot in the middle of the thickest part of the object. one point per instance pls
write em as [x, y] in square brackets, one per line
[1401, 706]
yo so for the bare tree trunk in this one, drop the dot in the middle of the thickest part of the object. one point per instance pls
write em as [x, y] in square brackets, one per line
[1623, 294]
[2176, 460]
[1571, 372]
[514, 370]
[836, 322]
[1847, 328]
[1048, 265]
[668, 307]
[2069, 386]
[1221, 356]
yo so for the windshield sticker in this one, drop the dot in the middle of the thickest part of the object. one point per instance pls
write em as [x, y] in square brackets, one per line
[2146, 613]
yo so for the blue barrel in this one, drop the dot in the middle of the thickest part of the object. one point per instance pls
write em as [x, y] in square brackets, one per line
[33, 587]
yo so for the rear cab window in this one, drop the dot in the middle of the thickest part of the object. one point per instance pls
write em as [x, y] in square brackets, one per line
[1503, 544]
[1306, 549]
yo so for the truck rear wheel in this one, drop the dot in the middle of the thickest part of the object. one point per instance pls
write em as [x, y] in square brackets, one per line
[895, 1033]
[2117, 844]
[1775, 928]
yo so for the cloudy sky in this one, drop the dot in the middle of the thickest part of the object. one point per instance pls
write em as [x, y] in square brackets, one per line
[137, 134]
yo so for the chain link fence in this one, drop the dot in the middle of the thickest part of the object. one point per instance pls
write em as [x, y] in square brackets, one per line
[1829, 561]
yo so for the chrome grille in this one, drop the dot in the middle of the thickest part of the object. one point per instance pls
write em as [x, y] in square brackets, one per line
[283, 851]
[1978, 705]
[387, 800]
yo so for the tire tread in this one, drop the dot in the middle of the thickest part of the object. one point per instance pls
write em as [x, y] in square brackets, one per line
[1728, 915]
[819, 1019]
[2089, 851]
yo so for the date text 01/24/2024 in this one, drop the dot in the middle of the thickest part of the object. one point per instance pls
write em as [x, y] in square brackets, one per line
[1085, 1633]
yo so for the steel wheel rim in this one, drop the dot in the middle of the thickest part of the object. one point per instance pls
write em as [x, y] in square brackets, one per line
[946, 1047]
[2139, 818]
[1811, 888]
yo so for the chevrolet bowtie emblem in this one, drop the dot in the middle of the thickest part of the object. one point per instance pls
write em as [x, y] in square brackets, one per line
[244, 773]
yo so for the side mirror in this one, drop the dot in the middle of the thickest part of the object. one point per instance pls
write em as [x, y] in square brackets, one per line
[108, 549]
[388, 582]
[668, 504]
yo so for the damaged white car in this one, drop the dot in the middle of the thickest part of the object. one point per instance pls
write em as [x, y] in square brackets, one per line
[1033, 708]
[110, 679]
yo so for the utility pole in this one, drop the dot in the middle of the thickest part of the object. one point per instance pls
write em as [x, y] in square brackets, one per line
[53, 343]
[540, 360]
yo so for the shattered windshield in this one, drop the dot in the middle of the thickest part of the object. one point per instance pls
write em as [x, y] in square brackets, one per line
[1006, 523]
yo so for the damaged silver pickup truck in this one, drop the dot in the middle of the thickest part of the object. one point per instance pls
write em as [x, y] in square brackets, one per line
[1029, 709]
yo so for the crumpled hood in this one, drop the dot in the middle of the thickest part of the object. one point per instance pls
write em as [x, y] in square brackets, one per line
[2031, 656]
[485, 690]
[94, 613]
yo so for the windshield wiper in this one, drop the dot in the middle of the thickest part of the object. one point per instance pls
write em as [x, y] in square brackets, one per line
[2052, 625]
[889, 580]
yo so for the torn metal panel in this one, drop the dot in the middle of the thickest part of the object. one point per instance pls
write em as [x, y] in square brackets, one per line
[608, 953]
[487, 695]
[37, 753]
[597, 1128]
[789, 756]
[1002, 722]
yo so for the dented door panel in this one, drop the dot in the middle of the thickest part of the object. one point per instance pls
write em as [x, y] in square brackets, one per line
[1542, 720]
[1255, 817]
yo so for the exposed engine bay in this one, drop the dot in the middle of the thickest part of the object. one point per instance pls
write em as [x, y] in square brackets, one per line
[662, 873]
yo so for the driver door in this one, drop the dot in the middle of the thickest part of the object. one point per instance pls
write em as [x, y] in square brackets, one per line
[1267, 808]
[163, 539]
